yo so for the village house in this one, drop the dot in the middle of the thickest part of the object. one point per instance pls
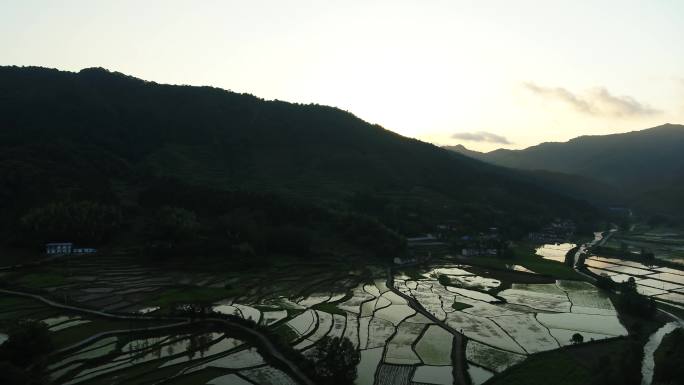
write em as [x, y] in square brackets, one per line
[66, 248]
[556, 232]
[476, 252]
[61, 248]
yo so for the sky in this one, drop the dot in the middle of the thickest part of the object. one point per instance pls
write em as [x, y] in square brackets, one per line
[482, 73]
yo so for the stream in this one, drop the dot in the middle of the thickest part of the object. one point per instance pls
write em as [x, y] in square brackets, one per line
[651, 346]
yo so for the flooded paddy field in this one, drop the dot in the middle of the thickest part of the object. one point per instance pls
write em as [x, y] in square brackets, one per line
[555, 252]
[666, 243]
[660, 283]
[442, 324]
[505, 323]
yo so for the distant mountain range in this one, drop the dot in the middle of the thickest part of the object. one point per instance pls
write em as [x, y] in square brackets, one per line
[102, 135]
[643, 168]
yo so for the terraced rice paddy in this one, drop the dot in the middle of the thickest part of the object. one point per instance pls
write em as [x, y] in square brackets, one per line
[666, 243]
[406, 334]
[660, 283]
[533, 318]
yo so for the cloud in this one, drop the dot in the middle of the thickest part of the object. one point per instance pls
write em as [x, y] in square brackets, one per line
[481, 136]
[597, 101]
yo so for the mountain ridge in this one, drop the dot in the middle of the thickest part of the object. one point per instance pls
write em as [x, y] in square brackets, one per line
[117, 130]
[634, 162]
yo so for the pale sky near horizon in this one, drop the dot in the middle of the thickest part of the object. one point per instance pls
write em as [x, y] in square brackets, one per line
[486, 74]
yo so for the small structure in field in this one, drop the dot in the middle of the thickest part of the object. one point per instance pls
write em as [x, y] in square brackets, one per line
[66, 248]
[59, 248]
[84, 250]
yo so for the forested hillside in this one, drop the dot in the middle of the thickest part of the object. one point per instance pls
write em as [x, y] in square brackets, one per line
[108, 138]
[643, 169]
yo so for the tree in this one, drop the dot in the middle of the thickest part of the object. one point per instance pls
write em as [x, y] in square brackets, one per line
[175, 224]
[629, 286]
[577, 339]
[289, 239]
[604, 282]
[444, 280]
[82, 221]
[13, 375]
[647, 254]
[27, 342]
[624, 249]
[630, 301]
[335, 361]
[22, 356]
[669, 358]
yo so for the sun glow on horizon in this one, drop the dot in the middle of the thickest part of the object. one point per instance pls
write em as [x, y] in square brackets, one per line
[436, 71]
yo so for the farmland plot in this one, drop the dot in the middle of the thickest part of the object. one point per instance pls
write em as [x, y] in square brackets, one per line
[496, 360]
[434, 347]
[438, 375]
[527, 332]
[537, 299]
[399, 350]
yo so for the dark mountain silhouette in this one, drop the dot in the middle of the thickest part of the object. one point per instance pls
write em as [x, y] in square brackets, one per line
[646, 167]
[103, 135]
[461, 149]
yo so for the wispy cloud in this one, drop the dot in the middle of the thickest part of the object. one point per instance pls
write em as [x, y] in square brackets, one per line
[481, 136]
[596, 101]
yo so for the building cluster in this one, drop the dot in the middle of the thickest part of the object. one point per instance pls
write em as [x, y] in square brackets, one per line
[67, 248]
[558, 231]
[421, 249]
[487, 244]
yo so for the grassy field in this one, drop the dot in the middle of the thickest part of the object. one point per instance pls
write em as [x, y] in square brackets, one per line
[190, 294]
[569, 366]
[42, 279]
[525, 256]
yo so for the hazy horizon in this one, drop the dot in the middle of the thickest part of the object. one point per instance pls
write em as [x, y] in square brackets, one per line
[487, 76]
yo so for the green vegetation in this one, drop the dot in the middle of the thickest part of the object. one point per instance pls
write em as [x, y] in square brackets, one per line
[555, 367]
[174, 224]
[189, 295]
[330, 308]
[42, 279]
[524, 255]
[80, 221]
[637, 312]
[324, 177]
[335, 361]
[460, 305]
[669, 358]
[285, 333]
[22, 356]
[615, 362]
[631, 302]
[577, 338]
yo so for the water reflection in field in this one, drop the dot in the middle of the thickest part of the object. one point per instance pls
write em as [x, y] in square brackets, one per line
[555, 252]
